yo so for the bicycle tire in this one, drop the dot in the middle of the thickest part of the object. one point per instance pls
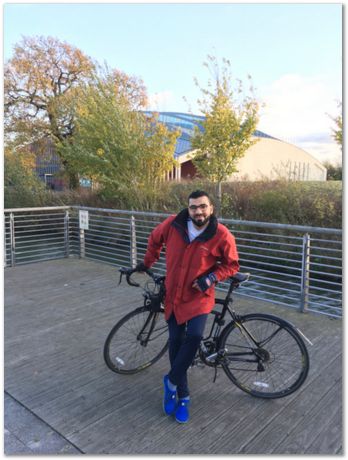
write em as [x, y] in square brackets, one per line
[123, 351]
[285, 357]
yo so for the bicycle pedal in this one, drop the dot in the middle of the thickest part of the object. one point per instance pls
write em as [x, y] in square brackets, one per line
[197, 363]
[211, 358]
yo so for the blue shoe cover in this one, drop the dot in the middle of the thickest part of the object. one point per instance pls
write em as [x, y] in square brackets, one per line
[169, 398]
[182, 414]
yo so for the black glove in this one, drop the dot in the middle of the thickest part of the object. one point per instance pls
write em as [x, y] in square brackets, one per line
[141, 267]
[203, 283]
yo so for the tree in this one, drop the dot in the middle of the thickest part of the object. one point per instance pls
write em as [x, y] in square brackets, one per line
[337, 133]
[43, 83]
[37, 79]
[334, 172]
[21, 185]
[121, 149]
[230, 121]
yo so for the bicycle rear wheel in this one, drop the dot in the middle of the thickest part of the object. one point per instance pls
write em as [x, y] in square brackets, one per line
[136, 342]
[273, 367]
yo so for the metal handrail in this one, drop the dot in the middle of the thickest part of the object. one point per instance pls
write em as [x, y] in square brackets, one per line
[300, 228]
[46, 208]
[119, 237]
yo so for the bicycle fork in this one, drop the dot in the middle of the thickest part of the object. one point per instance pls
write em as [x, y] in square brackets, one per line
[153, 317]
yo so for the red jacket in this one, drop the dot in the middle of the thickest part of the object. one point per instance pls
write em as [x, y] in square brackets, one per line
[214, 250]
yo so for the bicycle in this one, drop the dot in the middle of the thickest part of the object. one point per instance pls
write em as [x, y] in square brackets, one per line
[262, 354]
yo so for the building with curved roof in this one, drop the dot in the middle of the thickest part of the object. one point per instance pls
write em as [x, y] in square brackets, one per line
[268, 158]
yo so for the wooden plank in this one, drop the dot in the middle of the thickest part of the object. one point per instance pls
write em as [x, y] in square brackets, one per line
[232, 428]
[329, 437]
[141, 428]
[275, 426]
[148, 412]
[54, 338]
[302, 435]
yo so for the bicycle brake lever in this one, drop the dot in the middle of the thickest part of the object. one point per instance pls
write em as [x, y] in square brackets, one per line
[131, 283]
[121, 274]
[129, 273]
[123, 271]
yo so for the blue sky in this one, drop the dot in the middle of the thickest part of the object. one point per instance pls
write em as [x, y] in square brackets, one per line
[292, 51]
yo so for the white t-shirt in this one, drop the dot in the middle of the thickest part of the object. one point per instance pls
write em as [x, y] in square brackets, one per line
[193, 231]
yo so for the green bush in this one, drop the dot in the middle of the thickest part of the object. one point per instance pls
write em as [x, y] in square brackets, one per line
[21, 186]
[298, 203]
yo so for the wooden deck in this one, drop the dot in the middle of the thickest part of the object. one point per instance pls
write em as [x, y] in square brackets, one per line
[57, 316]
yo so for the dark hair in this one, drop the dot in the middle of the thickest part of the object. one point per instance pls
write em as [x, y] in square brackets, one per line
[198, 194]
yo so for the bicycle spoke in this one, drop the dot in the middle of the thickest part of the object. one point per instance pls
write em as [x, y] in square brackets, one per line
[130, 348]
[278, 365]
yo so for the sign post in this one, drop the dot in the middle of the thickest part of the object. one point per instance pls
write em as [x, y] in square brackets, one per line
[84, 225]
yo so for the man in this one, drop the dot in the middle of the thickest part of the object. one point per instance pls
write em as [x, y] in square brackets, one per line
[199, 253]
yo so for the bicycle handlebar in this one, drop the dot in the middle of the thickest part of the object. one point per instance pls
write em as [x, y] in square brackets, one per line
[129, 272]
[235, 280]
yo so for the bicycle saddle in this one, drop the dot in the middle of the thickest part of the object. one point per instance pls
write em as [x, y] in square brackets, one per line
[240, 277]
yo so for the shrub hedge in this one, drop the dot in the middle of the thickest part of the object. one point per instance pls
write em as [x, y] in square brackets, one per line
[299, 203]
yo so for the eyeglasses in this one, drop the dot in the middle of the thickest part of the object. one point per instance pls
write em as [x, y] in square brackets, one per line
[193, 207]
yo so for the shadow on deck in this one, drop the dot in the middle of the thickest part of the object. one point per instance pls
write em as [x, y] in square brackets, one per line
[57, 316]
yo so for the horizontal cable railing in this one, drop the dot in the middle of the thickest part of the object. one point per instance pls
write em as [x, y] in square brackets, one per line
[296, 266]
[36, 234]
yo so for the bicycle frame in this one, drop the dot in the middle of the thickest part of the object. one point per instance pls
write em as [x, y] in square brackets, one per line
[239, 345]
[219, 319]
[153, 318]
[251, 356]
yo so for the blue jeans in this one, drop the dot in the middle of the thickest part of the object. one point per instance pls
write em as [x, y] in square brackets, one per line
[184, 340]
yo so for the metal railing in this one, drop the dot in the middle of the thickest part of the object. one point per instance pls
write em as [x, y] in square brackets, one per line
[296, 266]
[35, 234]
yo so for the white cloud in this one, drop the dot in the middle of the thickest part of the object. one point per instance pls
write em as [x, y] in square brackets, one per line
[297, 110]
[323, 151]
[161, 102]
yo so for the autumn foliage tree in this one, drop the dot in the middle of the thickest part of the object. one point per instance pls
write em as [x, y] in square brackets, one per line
[231, 118]
[43, 83]
[37, 79]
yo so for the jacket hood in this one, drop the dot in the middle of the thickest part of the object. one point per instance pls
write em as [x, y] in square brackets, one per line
[180, 223]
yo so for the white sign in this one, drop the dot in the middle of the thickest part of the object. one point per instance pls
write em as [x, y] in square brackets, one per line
[83, 216]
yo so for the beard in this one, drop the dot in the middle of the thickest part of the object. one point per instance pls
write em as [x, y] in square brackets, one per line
[202, 221]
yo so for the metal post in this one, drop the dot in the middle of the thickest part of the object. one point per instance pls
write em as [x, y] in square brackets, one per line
[306, 246]
[82, 244]
[83, 225]
[66, 234]
[5, 249]
[133, 243]
[13, 240]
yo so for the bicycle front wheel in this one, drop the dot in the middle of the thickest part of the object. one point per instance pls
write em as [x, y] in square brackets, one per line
[136, 342]
[264, 356]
